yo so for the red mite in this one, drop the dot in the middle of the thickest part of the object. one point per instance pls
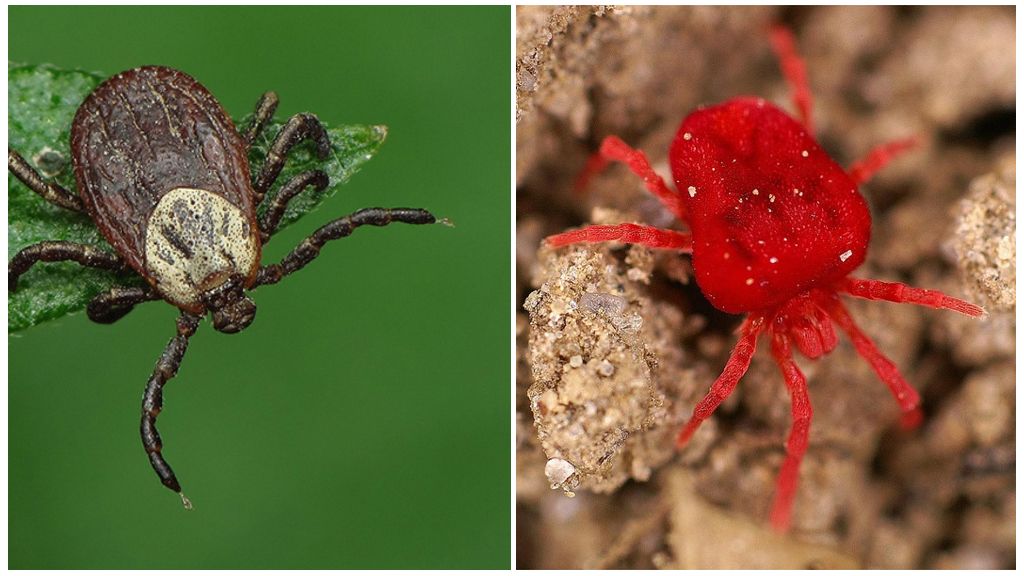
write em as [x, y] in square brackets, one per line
[776, 228]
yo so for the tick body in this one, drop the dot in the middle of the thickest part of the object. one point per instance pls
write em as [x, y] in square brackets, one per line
[776, 227]
[164, 174]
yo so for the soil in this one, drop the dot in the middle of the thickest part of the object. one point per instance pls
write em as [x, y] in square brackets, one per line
[616, 344]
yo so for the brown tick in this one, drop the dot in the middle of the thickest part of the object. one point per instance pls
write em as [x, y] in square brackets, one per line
[163, 173]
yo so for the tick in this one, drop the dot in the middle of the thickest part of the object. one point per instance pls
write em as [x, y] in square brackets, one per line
[164, 174]
[776, 227]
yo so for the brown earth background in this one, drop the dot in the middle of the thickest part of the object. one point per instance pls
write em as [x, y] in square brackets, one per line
[616, 344]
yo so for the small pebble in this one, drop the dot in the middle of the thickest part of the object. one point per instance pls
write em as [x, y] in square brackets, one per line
[600, 302]
[558, 471]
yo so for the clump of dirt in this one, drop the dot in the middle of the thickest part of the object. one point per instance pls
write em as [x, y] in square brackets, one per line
[702, 537]
[599, 401]
[616, 344]
[985, 245]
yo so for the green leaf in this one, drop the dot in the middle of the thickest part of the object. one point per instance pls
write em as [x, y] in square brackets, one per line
[42, 101]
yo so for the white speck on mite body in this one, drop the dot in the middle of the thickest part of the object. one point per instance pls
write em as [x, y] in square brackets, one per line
[773, 260]
[845, 255]
[755, 192]
[750, 281]
[687, 136]
[804, 154]
[692, 190]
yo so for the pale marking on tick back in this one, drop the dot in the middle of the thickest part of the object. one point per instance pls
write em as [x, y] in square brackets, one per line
[194, 236]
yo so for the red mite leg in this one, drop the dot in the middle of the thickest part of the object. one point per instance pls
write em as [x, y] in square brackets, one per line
[613, 148]
[735, 368]
[896, 292]
[595, 165]
[629, 233]
[862, 170]
[905, 395]
[795, 72]
[796, 444]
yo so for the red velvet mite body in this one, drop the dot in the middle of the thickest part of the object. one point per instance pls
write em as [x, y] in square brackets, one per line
[771, 213]
[776, 226]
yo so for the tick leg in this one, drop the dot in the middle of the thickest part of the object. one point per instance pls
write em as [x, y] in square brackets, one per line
[272, 217]
[793, 69]
[862, 170]
[299, 127]
[309, 249]
[50, 191]
[153, 401]
[110, 306]
[613, 148]
[57, 251]
[261, 115]
[735, 368]
[887, 372]
[628, 233]
[796, 444]
[897, 292]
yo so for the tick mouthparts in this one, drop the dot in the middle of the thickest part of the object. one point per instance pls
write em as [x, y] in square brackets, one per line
[446, 222]
[185, 501]
[235, 316]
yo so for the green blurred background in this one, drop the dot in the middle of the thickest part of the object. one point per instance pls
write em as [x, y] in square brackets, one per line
[363, 419]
